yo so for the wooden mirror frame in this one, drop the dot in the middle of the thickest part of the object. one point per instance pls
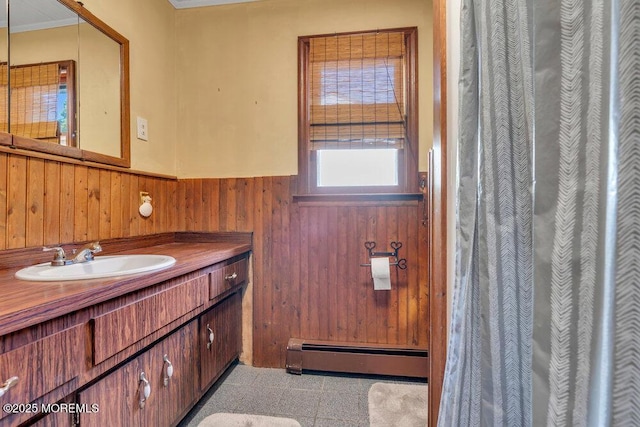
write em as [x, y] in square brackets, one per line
[438, 215]
[125, 133]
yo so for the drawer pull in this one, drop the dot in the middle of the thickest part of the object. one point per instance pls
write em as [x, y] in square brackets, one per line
[145, 391]
[211, 337]
[231, 276]
[168, 373]
[7, 385]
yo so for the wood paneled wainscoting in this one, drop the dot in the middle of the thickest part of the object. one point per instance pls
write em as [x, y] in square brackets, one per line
[307, 278]
[48, 202]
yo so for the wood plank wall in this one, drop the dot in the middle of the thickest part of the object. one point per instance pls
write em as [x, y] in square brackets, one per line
[45, 202]
[308, 282]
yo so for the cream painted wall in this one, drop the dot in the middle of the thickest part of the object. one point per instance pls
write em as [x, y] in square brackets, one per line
[150, 27]
[55, 44]
[237, 78]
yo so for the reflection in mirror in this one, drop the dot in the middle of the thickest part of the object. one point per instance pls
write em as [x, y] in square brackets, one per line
[4, 46]
[87, 69]
[99, 91]
[42, 102]
[43, 39]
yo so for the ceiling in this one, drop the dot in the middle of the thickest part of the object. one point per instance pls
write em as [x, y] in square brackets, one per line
[27, 15]
[184, 4]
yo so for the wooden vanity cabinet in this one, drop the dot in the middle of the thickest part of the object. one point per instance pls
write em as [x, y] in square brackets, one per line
[93, 358]
[201, 349]
[198, 352]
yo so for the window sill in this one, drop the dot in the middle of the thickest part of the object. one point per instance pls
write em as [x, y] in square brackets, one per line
[360, 199]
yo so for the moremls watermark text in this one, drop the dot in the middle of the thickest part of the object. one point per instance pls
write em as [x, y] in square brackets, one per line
[50, 408]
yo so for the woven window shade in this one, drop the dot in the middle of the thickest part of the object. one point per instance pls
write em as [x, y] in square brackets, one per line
[34, 100]
[357, 91]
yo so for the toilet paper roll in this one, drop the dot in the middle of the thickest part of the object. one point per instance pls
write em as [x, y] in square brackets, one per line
[381, 273]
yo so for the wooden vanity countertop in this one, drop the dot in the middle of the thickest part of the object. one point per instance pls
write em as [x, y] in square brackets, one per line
[27, 303]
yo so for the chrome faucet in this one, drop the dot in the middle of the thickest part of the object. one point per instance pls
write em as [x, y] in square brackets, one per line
[86, 252]
[83, 254]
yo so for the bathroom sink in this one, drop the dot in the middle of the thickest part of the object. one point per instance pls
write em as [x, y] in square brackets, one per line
[103, 266]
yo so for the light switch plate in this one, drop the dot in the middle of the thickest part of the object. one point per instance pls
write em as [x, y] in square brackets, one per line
[143, 129]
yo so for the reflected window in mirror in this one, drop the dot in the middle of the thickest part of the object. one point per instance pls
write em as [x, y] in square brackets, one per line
[42, 102]
[4, 59]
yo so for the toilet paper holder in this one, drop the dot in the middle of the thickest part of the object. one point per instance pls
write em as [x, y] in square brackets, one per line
[400, 263]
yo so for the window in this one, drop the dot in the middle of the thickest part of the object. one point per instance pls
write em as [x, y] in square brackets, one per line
[358, 112]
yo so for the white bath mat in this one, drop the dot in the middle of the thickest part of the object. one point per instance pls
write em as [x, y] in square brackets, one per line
[244, 420]
[398, 405]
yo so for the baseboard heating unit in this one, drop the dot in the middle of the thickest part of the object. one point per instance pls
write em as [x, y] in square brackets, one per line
[374, 359]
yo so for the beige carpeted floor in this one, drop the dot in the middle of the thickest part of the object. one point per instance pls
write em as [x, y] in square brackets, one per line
[398, 405]
[222, 419]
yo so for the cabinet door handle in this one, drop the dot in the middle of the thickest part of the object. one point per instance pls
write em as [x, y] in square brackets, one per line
[168, 372]
[231, 276]
[7, 385]
[211, 337]
[145, 390]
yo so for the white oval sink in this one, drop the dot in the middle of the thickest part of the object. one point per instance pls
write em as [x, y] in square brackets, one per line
[103, 266]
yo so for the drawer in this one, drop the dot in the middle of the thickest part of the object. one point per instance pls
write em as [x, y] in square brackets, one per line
[227, 277]
[42, 366]
[116, 330]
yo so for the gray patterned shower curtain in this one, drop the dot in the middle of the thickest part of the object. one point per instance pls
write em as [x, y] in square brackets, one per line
[545, 327]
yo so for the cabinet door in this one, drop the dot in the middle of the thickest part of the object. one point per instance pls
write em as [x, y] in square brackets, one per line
[61, 417]
[231, 329]
[208, 337]
[220, 338]
[56, 419]
[176, 355]
[118, 397]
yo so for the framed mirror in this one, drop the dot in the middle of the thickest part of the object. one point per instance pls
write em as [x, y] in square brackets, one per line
[68, 80]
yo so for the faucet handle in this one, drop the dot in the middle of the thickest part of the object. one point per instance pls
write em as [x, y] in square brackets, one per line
[59, 251]
[95, 247]
[59, 257]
